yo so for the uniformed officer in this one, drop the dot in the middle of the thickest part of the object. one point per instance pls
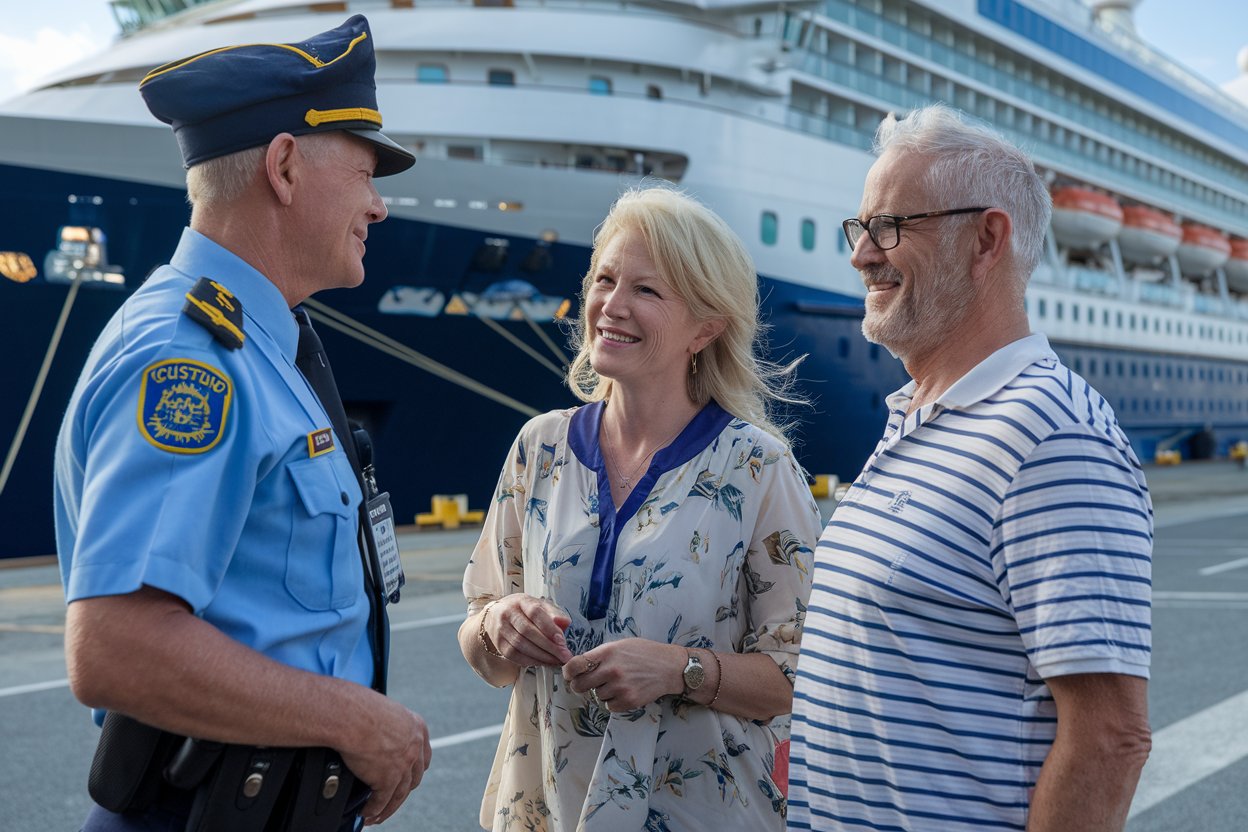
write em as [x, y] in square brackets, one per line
[206, 513]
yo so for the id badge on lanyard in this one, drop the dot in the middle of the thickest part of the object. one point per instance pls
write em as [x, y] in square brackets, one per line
[381, 527]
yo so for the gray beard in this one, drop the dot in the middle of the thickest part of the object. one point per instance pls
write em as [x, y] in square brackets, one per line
[917, 324]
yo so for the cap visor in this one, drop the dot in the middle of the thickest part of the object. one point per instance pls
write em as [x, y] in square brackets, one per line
[392, 157]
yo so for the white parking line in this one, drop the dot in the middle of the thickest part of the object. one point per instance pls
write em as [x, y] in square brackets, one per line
[1224, 567]
[1162, 595]
[467, 736]
[1192, 749]
[420, 623]
[34, 688]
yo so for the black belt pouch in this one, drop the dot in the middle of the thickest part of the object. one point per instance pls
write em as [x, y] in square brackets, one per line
[323, 785]
[242, 791]
[125, 771]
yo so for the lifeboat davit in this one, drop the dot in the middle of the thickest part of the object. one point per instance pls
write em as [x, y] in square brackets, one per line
[1203, 249]
[1084, 219]
[1237, 266]
[1147, 234]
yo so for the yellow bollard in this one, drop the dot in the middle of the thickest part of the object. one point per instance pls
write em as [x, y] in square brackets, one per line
[1168, 458]
[1239, 452]
[449, 511]
[824, 485]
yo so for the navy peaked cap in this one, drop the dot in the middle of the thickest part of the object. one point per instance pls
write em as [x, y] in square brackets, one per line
[236, 97]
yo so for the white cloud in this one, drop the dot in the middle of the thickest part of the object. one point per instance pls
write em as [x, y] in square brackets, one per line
[26, 61]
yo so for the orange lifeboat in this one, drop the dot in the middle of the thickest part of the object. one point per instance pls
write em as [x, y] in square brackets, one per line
[1084, 219]
[1203, 249]
[1147, 234]
[1237, 266]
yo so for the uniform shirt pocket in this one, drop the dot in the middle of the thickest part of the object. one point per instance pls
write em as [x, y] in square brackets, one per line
[323, 559]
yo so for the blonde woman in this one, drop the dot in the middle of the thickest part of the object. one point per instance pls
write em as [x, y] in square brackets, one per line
[644, 569]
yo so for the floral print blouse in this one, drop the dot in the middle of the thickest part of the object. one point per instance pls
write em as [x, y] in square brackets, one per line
[713, 548]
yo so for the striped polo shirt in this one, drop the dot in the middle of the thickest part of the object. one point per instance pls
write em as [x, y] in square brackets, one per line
[997, 537]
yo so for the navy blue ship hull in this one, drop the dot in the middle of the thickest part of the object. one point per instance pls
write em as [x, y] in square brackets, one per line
[432, 436]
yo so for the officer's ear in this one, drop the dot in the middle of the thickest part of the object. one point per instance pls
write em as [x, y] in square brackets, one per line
[280, 162]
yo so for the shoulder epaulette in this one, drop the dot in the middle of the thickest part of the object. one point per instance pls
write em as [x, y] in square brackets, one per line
[215, 307]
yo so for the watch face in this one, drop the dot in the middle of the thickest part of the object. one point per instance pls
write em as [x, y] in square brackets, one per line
[694, 674]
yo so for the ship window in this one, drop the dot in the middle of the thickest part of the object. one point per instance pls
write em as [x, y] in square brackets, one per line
[1104, 317]
[1131, 320]
[432, 74]
[1091, 366]
[1041, 308]
[1058, 309]
[501, 78]
[599, 85]
[1078, 364]
[469, 152]
[1074, 312]
[1144, 368]
[842, 347]
[1120, 320]
[808, 234]
[1120, 370]
[1168, 322]
[840, 249]
[769, 229]
[875, 352]
[654, 91]
[1134, 369]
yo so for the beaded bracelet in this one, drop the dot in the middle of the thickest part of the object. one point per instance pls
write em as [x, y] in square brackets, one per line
[719, 676]
[482, 637]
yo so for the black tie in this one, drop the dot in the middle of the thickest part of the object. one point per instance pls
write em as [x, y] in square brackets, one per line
[311, 360]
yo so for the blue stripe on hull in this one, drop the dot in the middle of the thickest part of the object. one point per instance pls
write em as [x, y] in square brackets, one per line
[432, 436]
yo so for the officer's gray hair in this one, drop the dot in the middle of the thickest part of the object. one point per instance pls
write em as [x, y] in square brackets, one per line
[973, 165]
[219, 181]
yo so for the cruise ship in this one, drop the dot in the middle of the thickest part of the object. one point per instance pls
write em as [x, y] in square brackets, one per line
[528, 117]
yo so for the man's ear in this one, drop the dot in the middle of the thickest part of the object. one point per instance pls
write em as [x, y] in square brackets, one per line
[993, 234]
[281, 163]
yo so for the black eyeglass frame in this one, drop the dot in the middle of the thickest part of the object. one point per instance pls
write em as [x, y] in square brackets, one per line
[896, 222]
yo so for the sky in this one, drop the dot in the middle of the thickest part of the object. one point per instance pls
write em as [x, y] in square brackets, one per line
[38, 37]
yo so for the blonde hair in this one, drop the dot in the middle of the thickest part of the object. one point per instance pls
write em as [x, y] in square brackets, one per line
[700, 257]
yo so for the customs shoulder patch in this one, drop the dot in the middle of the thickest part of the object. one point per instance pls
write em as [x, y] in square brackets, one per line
[183, 405]
[217, 310]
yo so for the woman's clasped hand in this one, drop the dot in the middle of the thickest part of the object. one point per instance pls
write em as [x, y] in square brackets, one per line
[526, 631]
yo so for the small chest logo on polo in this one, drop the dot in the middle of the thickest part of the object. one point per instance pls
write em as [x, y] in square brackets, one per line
[899, 503]
[183, 405]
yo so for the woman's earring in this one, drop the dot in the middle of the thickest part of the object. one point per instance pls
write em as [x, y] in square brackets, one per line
[693, 365]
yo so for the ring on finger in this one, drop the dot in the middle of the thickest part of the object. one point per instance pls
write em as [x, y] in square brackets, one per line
[590, 665]
[593, 695]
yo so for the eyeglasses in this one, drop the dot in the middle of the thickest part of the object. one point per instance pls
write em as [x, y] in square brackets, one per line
[885, 229]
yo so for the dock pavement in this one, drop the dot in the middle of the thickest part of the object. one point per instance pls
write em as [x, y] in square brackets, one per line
[1198, 693]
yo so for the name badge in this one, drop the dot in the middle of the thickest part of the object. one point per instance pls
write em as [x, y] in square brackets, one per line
[381, 527]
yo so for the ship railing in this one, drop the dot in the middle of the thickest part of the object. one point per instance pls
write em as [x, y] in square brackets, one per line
[1001, 81]
[1161, 294]
[1093, 280]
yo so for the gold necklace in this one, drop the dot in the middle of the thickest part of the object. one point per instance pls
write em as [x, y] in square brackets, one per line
[626, 482]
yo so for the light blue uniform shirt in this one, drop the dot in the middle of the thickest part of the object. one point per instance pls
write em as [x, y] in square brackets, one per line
[185, 466]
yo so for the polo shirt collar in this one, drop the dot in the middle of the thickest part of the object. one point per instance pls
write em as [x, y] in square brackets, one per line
[997, 370]
[263, 304]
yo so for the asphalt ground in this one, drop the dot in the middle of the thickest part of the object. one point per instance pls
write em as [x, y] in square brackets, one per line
[1195, 778]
